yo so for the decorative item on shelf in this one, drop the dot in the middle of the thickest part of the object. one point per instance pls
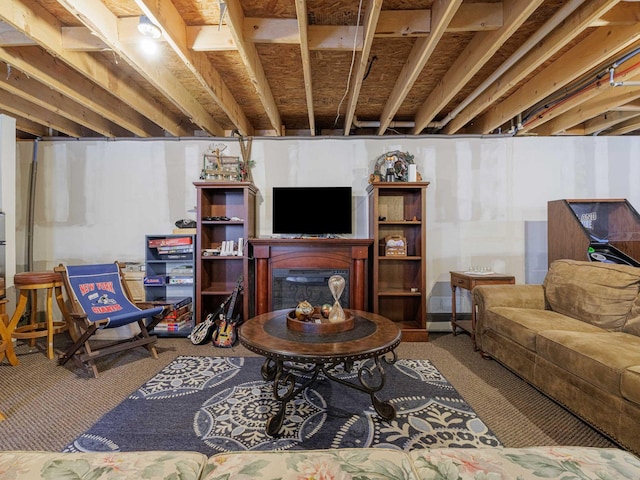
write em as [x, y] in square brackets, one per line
[336, 285]
[325, 309]
[394, 166]
[218, 167]
[304, 310]
[395, 245]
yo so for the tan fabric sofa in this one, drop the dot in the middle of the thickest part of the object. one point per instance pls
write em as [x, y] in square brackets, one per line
[576, 337]
[342, 464]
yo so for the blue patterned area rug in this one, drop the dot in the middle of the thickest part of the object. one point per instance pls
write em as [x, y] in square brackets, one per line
[218, 404]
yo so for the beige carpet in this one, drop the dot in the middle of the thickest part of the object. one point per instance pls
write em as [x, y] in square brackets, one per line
[47, 406]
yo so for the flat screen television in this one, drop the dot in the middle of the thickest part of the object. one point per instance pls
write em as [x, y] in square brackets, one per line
[312, 210]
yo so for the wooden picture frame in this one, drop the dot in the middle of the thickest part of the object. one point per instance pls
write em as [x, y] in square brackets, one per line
[395, 245]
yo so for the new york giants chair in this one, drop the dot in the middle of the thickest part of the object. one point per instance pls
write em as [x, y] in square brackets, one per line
[100, 300]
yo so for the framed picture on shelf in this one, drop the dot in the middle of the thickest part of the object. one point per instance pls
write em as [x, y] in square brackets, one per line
[395, 245]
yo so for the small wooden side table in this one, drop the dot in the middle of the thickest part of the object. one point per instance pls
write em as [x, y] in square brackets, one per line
[469, 281]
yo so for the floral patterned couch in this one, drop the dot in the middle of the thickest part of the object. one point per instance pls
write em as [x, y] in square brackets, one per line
[375, 463]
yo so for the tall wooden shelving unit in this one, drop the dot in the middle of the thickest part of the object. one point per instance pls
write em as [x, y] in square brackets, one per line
[399, 281]
[226, 211]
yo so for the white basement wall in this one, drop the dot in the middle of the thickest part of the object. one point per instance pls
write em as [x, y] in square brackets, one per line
[97, 199]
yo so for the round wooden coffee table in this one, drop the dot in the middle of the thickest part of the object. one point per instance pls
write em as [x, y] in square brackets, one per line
[294, 359]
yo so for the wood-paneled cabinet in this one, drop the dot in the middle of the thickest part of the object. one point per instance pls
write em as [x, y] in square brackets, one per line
[397, 224]
[226, 213]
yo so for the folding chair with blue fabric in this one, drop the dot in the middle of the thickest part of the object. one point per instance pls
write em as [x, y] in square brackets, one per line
[99, 300]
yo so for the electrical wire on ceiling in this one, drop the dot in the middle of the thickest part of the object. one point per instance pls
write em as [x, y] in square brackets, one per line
[549, 104]
[353, 59]
[373, 59]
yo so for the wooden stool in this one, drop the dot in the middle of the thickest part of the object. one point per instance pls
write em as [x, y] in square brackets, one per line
[28, 283]
[6, 345]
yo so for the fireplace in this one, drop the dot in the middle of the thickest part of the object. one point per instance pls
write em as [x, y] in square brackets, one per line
[292, 285]
[317, 258]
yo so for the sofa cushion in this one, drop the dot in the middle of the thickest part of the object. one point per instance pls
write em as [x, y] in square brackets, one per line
[525, 463]
[598, 293]
[630, 384]
[18, 465]
[521, 325]
[597, 358]
[344, 463]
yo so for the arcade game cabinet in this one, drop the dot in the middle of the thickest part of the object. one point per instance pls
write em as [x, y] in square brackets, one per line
[606, 230]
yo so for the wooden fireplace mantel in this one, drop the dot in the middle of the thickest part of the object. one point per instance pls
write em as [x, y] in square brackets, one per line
[335, 253]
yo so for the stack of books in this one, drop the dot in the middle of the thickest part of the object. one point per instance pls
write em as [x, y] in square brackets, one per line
[174, 248]
[179, 318]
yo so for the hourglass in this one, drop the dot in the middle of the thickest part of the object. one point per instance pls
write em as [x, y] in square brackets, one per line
[336, 285]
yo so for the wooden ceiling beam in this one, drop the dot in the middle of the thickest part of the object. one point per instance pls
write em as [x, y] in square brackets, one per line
[371, 16]
[471, 17]
[29, 18]
[27, 126]
[95, 15]
[253, 65]
[478, 52]
[42, 115]
[559, 116]
[628, 107]
[56, 75]
[301, 14]
[573, 26]
[442, 12]
[164, 14]
[607, 120]
[599, 47]
[624, 13]
[629, 126]
[27, 88]
[586, 107]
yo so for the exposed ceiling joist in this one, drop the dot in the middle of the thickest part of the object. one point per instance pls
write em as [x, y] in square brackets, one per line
[483, 46]
[303, 29]
[253, 65]
[442, 13]
[167, 17]
[578, 61]
[296, 67]
[371, 16]
[587, 106]
[557, 32]
[104, 24]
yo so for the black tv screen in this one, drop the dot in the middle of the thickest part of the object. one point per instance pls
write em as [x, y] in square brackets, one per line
[312, 210]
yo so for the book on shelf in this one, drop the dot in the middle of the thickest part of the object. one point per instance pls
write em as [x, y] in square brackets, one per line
[182, 270]
[172, 241]
[172, 302]
[177, 256]
[181, 280]
[184, 321]
[175, 313]
[169, 250]
[155, 280]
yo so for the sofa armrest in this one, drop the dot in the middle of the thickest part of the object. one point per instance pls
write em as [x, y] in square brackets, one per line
[516, 296]
[486, 297]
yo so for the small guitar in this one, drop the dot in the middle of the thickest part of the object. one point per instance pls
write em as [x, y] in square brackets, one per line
[226, 335]
[203, 332]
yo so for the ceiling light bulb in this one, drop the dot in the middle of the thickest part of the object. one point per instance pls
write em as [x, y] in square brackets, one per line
[148, 29]
[149, 46]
